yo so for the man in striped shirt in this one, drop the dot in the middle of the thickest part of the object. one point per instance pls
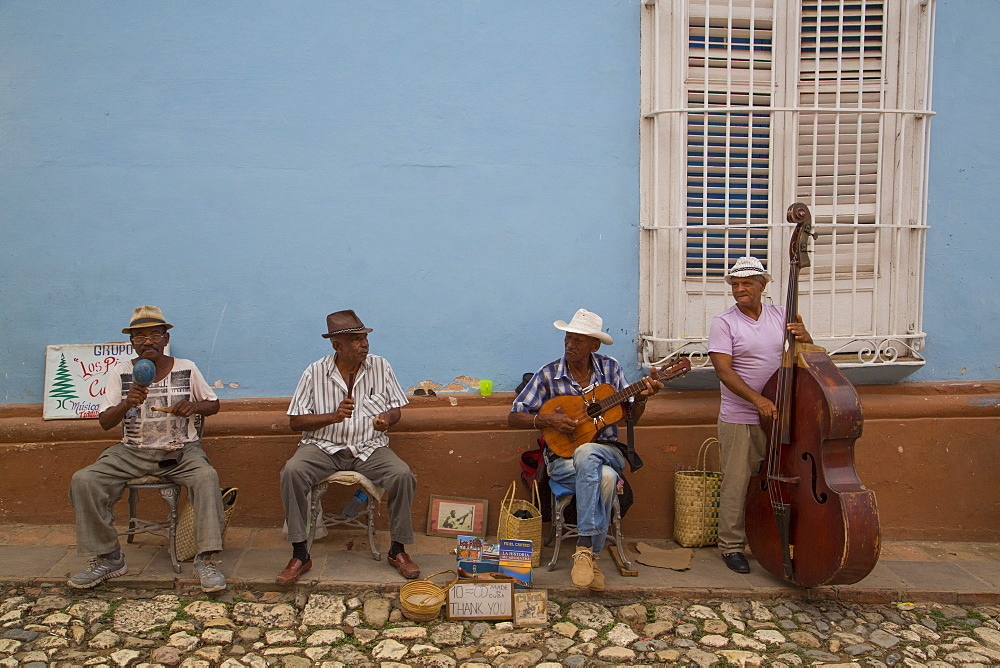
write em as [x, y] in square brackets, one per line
[593, 469]
[343, 405]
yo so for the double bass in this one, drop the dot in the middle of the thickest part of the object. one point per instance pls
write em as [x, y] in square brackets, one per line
[809, 519]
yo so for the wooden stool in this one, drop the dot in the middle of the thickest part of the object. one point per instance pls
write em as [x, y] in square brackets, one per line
[167, 528]
[318, 518]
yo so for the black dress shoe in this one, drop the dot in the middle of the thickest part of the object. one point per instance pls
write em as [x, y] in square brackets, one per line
[736, 562]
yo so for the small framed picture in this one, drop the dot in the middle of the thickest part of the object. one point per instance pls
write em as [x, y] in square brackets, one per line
[530, 608]
[453, 516]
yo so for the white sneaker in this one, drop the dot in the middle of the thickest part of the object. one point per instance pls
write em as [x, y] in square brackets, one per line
[211, 577]
[97, 571]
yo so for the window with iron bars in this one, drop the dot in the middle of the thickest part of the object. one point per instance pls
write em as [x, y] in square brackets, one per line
[751, 105]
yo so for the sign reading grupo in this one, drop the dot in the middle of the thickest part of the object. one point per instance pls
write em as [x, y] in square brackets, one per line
[75, 377]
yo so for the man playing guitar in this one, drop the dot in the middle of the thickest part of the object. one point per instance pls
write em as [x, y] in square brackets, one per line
[592, 469]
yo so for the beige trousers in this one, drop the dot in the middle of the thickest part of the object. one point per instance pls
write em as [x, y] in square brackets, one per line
[95, 489]
[743, 448]
[310, 464]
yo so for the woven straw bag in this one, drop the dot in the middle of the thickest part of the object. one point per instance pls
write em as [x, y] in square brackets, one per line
[421, 600]
[186, 548]
[522, 528]
[696, 502]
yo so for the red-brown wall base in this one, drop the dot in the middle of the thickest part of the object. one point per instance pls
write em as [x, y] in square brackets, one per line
[929, 451]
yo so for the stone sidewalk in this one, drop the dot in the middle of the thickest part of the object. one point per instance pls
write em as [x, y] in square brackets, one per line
[946, 572]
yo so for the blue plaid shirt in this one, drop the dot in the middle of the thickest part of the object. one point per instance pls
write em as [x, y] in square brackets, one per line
[554, 380]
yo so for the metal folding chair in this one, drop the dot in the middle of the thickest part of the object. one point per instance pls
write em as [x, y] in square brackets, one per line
[166, 528]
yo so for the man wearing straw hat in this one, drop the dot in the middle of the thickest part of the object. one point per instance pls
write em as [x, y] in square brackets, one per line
[593, 469]
[162, 441]
[745, 344]
[344, 404]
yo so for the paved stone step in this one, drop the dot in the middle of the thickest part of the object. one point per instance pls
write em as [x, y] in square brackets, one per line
[947, 572]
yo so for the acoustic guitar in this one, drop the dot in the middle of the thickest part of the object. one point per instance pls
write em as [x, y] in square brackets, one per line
[598, 407]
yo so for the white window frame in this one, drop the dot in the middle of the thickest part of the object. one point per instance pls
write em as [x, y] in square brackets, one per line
[852, 143]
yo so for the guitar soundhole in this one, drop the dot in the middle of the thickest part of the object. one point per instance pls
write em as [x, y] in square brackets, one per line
[593, 411]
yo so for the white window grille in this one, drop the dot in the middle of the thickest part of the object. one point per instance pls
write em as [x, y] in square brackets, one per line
[750, 105]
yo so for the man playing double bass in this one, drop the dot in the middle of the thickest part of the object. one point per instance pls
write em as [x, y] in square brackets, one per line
[592, 469]
[745, 345]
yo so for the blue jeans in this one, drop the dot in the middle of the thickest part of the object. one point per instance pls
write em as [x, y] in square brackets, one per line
[593, 471]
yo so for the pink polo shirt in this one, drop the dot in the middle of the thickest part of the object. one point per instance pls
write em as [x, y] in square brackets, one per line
[755, 346]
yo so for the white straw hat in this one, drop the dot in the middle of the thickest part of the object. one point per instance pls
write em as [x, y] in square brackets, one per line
[747, 266]
[586, 323]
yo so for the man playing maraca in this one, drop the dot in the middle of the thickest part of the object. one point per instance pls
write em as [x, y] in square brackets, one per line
[153, 397]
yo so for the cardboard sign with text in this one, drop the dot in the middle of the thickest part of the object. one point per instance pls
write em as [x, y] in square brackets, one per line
[75, 377]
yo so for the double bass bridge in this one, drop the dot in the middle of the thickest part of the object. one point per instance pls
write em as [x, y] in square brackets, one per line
[782, 478]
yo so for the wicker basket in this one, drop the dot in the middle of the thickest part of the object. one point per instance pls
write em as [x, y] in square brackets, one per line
[696, 502]
[522, 528]
[186, 548]
[421, 600]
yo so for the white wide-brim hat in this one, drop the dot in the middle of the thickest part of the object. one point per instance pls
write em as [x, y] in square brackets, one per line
[747, 266]
[586, 323]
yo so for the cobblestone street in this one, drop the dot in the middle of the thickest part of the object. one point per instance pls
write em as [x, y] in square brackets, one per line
[119, 627]
[926, 603]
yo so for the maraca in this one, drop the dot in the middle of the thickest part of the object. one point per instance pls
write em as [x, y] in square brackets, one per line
[144, 372]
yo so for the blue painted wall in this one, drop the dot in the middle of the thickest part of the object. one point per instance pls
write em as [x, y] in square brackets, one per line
[251, 167]
[460, 173]
[961, 305]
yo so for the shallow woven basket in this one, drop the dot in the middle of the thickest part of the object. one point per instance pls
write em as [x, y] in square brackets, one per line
[520, 528]
[186, 548]
[696, 502]
[421, 600]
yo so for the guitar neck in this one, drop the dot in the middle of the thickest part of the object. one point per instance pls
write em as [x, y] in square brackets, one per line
[621, 396]
[624, 394]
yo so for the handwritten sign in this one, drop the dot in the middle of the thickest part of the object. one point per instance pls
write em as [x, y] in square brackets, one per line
[481, 600]
[76, 375]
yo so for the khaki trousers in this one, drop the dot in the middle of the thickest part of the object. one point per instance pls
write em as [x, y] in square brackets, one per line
[94, 490]
[743, 448]
[310, 464]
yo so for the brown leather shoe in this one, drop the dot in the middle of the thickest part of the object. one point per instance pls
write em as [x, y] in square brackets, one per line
[405, 566]
[292, 571]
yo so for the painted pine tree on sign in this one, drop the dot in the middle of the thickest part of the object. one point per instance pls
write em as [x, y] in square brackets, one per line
[62, 387]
